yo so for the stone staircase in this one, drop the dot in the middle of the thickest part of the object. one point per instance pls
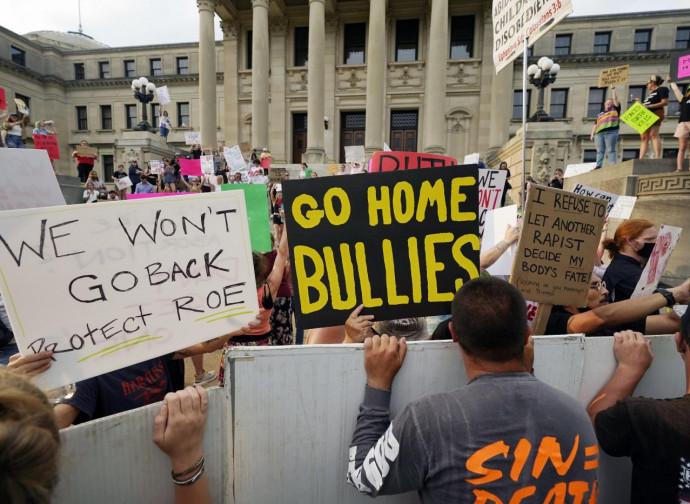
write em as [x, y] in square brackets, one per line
[72, 188]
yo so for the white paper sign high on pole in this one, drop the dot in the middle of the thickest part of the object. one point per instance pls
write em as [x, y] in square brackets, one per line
[354, 154]
[118, 283]
[192, 137]
[163, 95]
[207, 165]
[495, 226]
[623, 207]
[513, 20]
[471, 158]
[665, 243]
[234, 158]
[597, 193]
[33, 165]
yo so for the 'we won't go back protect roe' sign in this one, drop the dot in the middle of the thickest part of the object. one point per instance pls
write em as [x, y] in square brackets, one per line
[401, 243]
[105, 286]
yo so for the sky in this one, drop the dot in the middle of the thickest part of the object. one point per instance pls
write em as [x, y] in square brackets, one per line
[142, 22]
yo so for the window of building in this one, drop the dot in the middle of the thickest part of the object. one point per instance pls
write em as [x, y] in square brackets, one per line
[183, 114]
[517, 103]
[559, 103]
[155, 112]
[130, 116]
[461, 37]
[18, 56]
[106, 117]
[108, 166]
[301, 46]
[79, 73]
[563, 43]
[673, 107]
[156, 67]
[182, 65]
[630, 154]
[683, 38]
[530, 50]
[602, 42]
[638, 92]
[130, 69]
[595, 103]
[82, 121]
[250, 41]
[589, 156]
[354, 42]
[406, 39]
[643, 40]
[103, 70]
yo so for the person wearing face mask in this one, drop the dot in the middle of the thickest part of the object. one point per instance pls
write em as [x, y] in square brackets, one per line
[629, 249]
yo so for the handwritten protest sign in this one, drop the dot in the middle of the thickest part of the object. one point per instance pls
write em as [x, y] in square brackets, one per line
[557, 246]
[233, 156]
[656, 265]
[400, 243]
[265, 162]
[20, 165]
[680, 66]
[333, 169]
[119, 283]
[495, 225]
[192, 137]
[123, 183]
[573, 170]
[615, 75]
[207, 165]
[395, 160]
[639, 118]
[355, 154]
[163, 95]
[597, 193]
[49, 144]
[513, 20]
[190, 167]
[623, 207]
[157, 167]
[3, 100]
[471, 158]
[277, 174]
[21, 106]
[259, 225]
[83, 151]
[491, 185]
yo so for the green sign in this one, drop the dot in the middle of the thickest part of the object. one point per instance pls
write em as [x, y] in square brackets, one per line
[639, 118]
[257, 213]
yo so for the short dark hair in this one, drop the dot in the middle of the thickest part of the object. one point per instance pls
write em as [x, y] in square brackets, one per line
[490, 319]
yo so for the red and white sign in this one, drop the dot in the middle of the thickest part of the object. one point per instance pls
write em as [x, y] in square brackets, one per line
[668, 237]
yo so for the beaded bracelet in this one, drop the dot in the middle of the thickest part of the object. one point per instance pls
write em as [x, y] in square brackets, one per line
[193, 478]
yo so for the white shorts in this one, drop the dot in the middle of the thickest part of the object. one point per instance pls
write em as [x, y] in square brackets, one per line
[682, 130]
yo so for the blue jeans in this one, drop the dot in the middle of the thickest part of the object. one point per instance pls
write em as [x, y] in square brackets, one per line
[14, 142]
[164, 132]
[606, 144]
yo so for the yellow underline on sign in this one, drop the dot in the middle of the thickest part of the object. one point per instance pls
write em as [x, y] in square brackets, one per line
[218, 313]
[114, 346]
[14, 308]
[228, 316]
[132, 344]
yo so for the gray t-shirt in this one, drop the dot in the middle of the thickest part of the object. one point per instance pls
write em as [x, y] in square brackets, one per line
[501, 437]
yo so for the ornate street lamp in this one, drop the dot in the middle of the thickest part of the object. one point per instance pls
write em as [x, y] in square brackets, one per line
[540, 76]
[140, 87]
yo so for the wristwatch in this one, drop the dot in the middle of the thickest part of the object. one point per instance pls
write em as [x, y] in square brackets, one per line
[670, 298]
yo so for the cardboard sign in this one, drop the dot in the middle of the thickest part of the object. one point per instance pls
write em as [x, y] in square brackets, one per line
[277, 174]
[190, 167]
[333, 169]
[122, 282]
[259, 225]
[597, 193]
[265, 162]
[192, 137]
[615, 75]
[639, 118]
[623, 208]
[491, 186]
[513, 20]
[471, 158]
[399, 243]
[123, 183]
[83, 151]
[655, 267]
[557, 246]
[573, 170]
[157, 167]
[355, 154]
[21, 106]
[495, 225]
[20, 166]
[395, 161]
[680, 66]
[3, 100]
[49, 144]
[207, 165]
[163, 95]
[234, 159]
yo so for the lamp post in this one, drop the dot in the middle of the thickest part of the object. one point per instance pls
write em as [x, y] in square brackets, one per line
[540, 76]
[140, 87]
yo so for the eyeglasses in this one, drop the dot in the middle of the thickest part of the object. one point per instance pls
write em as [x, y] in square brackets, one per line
[597, 285]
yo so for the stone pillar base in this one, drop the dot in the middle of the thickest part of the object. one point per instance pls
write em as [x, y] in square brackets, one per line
[141, 145]
[435, 149]
[314, 155]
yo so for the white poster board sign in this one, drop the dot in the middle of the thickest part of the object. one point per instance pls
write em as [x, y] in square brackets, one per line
[495, 225]
[623, 208]
[597, 193]
[234, 158]
[386, 148]
[578, 169]
[192, 137]
[157, 167]
[491, 185]
[123, 183]
[118, 283]
[163, 95]
[21, 165]
[654, 269]
[207, 165]
[471, 158]
[354, 154]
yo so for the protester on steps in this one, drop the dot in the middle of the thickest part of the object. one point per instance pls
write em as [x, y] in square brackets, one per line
[683, 129]
[84, 163]
[655, 101]
[605, 130]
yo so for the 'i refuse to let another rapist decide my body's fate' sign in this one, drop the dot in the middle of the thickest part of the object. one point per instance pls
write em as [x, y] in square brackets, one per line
[108, 285]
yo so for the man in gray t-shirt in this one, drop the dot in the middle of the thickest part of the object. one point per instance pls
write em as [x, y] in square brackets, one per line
[504, 437]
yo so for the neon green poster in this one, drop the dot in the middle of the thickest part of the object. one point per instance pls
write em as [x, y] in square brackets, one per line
[639, 118]
[256, 198]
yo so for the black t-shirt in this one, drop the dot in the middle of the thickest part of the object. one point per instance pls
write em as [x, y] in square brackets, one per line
[656, 96]
[555, 183]
[119, 174]
[621, 277]
[655, 434]
[684, 110]
[558, 324]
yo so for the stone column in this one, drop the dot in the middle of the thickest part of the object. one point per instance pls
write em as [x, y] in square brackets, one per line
[260, 74]
[230, 85]
[207, 72]
[377, 67]
[315, 152]
[435, 89]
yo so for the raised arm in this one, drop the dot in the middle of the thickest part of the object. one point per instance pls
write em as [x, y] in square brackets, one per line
[676, 91]
[489, 257]
[276, 275]
[614, 96]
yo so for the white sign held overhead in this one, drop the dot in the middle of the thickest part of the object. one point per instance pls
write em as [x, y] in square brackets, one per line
[122, 282]
[20, 166]
[654, 269]
[578, 169]
[491, 186]
[234, 158]
[192, 137]
[623, 208]
[513, 20]
[207, 165]
[471, 158]
[354, 154]
[157, 166]
[163, 95]
[597, 193]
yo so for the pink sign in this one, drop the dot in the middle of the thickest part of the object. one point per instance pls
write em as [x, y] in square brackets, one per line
[266, 163]
[190, 167]
[49, 143]
[155, 195]
[3, 101]
[684, 66]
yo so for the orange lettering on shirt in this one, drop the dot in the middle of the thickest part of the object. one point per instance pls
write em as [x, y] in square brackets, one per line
[482, 497]
[592, 451]
[550, 449]
[476, 461]
[522, 493]
[578, 489]
[521, 453]
[556, 494]
[595, 493]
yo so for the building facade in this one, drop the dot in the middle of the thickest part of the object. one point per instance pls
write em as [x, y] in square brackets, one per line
[306, 78]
